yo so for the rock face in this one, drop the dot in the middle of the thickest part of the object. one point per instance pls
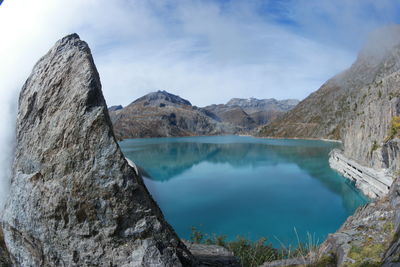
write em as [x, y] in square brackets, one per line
[74, 199]
[161, 114]
[212, 255]
[356, 106]
[370, 236]
[5, 260]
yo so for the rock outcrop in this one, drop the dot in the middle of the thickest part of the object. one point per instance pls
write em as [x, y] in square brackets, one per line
[5, 260]
[212, 255]
[74, 199]
[371, 236]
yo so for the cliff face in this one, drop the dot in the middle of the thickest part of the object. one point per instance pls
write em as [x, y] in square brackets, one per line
[74, 199]
[356, 106]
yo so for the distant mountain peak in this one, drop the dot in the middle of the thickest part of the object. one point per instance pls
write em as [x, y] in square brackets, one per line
[114, 108]
[249, 104]
[162, 97]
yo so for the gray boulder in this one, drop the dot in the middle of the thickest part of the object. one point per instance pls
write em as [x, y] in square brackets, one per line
[74, 199]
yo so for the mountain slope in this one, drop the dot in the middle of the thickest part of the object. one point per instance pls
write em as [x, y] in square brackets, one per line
[252, 112]
[356, 106]
[161, 114]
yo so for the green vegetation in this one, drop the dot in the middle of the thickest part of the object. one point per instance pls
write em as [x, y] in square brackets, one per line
[394, 130]
[325, 261]
[388, 227]
[367, 255]
[374, 147]
[379, 94]
[249, 253]
[252, 254]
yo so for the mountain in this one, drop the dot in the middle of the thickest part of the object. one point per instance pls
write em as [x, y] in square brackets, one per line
[232, 115]
[161, 114]
[361, 108]
[252, 112]
[252, 105]
[74, 199]
[114, 108]
[356, 106]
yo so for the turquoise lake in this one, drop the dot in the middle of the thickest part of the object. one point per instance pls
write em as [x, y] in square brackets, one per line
[252, 187]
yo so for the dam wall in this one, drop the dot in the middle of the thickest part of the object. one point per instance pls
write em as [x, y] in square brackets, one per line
[371, 182]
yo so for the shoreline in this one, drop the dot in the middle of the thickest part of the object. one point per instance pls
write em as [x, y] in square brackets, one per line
[244, 135]
[300, 138]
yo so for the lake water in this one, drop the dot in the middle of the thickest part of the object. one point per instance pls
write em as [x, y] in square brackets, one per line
[236, 185]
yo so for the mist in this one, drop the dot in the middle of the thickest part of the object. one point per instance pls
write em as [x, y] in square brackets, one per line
[262, 49]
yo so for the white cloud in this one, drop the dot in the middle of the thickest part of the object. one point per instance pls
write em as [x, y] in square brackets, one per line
[204, 51]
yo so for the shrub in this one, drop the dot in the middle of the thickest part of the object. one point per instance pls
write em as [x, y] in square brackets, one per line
[394, 130]
[255, 253]
[249, 253]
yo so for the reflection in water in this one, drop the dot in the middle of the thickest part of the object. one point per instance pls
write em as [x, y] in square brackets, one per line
[172, 162]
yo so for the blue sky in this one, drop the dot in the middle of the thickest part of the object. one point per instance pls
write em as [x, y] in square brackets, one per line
[204, 50]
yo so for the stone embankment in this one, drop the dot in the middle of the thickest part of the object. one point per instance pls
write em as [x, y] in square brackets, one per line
[371, 182]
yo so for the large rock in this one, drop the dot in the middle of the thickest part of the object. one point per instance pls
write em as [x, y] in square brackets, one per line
[74, 199]
[5, 260]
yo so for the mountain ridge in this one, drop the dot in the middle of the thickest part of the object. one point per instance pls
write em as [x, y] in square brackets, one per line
[162, 114]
